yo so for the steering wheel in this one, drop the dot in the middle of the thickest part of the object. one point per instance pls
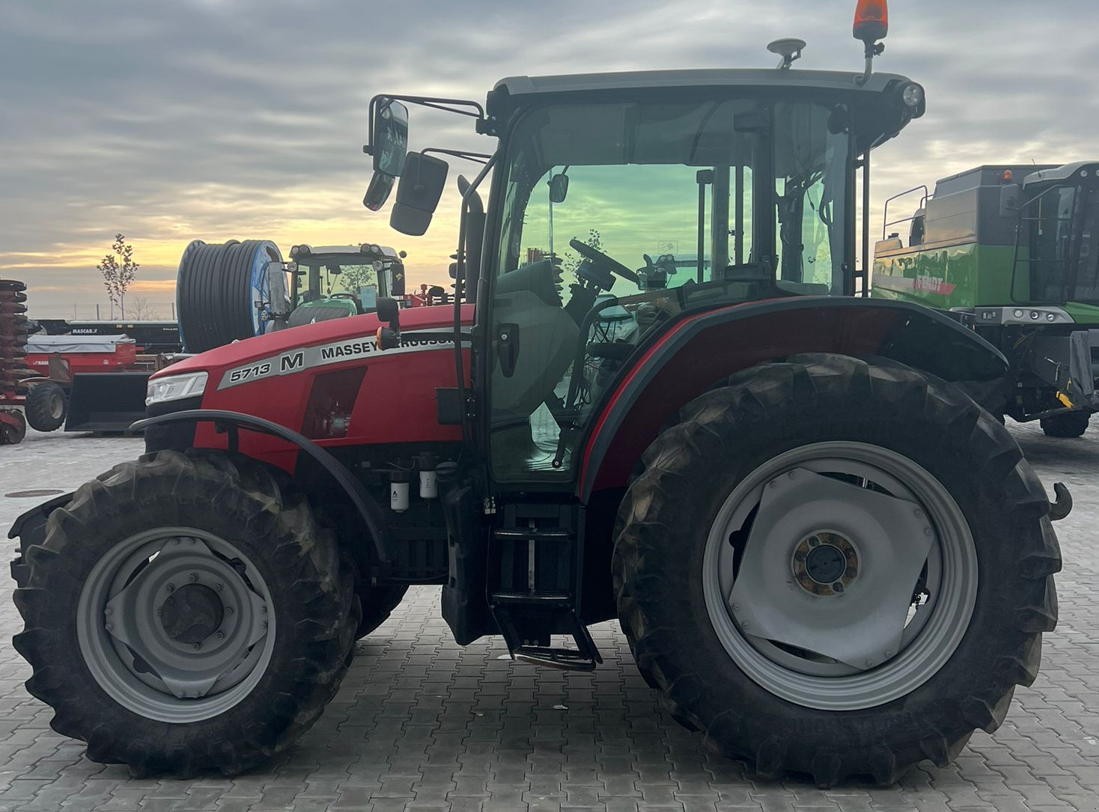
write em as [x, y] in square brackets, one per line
[598, 257]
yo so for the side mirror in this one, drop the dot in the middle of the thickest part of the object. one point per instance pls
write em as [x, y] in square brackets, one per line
[1009, 199]
[378, 191]
[389, 140]
[388, 312]
[418, 194]
[559, 188]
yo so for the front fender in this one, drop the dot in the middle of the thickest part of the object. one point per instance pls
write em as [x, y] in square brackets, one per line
[700, 349]
[367, 508]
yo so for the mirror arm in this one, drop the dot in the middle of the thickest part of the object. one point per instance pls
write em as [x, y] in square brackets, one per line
[475, 157]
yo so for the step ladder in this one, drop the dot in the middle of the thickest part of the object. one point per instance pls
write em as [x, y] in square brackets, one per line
[536, 562]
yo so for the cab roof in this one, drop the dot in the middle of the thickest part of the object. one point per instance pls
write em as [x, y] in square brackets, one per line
[763, 78]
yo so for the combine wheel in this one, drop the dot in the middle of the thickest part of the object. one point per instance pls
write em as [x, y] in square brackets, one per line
[46, 406]
[186, 613]
[836, 568]
[1070, 424]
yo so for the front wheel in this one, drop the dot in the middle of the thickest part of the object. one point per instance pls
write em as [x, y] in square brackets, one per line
[186, 613]
[836, 568]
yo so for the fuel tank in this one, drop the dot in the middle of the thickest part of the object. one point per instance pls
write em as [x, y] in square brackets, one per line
[330, 382]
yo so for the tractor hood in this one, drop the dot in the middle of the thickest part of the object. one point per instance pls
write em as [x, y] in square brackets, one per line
[309, 335]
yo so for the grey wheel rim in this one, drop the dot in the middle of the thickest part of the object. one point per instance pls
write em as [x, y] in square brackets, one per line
[57, 406]
[812, 568]
[176, 624]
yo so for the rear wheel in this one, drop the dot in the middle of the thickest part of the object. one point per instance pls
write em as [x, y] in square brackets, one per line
[836, 569]
[186, 613]
[46, 406]
[1069, 424]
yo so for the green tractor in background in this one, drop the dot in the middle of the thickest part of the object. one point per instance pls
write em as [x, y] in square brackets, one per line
[331, 282]
[1013, 252]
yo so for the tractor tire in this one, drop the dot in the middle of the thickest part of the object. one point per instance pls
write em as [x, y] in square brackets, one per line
[1070, 424]
[148, 607]
[378, 603]
[46, 406]
[813, 449]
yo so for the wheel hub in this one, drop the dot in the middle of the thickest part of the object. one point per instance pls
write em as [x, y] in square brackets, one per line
[192, 614]
[169, 617]
[825, 563]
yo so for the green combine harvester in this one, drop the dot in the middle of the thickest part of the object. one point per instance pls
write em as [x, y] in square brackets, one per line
[1013, 252]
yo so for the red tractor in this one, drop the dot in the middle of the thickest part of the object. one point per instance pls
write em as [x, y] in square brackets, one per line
[826, 553]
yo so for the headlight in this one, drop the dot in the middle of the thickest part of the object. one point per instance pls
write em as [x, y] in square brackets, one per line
[175, 387]
[912, 95]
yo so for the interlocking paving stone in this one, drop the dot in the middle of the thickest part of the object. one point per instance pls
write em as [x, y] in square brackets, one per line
[423, 724]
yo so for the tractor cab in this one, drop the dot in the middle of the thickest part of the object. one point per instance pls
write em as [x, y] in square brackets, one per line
[620, 202]
[335, 281]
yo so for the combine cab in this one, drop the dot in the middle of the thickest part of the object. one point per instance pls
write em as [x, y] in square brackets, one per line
[1012, 252]
[826, 553]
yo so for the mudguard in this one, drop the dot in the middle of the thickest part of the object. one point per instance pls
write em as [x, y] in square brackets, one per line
[364, 503]
[701, 348]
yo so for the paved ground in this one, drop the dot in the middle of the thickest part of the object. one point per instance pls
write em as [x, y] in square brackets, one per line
[421, 724]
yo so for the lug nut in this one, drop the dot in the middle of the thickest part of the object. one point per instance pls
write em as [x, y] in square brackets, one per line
[813, 541]
[217, 587]
[263, 610]
[219, 635]
[198, 646]
[837, 587]
[171, 587]
[108, 610]
[171, 601]
[228, 610]
[109, 626]
[919, 513]
[194, 577]
[927, 531]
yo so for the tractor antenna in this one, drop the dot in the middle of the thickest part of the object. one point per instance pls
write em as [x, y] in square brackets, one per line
[788, 49]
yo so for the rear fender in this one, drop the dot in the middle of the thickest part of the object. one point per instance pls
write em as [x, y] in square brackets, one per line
[702, 348]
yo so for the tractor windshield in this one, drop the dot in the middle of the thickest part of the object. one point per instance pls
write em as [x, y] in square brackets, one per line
[618, 216]
[323, 277]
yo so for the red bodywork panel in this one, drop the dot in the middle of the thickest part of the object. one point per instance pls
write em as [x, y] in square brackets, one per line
[396, 401]
[123, 357]
[715, 352]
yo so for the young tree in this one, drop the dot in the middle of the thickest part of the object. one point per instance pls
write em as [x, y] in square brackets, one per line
[118, 269]
[354, 277]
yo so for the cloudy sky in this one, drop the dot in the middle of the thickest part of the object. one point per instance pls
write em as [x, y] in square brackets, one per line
[218, 119]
